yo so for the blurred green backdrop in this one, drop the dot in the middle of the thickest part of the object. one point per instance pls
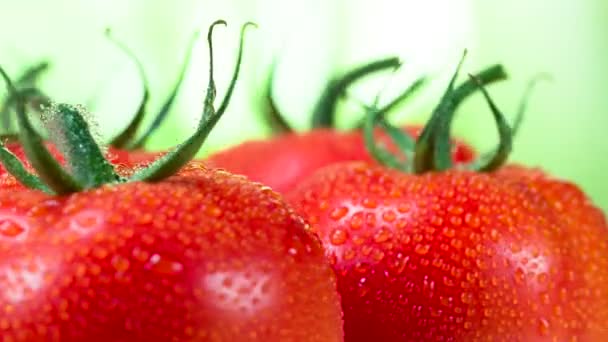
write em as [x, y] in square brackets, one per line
[564, 131]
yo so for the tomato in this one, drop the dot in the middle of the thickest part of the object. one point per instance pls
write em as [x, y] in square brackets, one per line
[282, 161]
[203, 255]
[502, 253]
[165, 251]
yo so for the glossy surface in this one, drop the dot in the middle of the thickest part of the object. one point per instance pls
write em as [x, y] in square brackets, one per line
[202, 256]
[459, 256]
[283, 161]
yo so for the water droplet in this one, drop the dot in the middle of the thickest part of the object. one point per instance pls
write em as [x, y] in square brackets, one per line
[544, 298]
[378, 255]
[456, 220]
[100, 252]
[362, 267]
[11, 229]
[470, 252]
[446, 301]
[382, 235]
[422, 249]
[370, 203]
[449, 232]
[389, 216]
[213, 211]
[120, 263]
[456, 243]
[140, 254]
[466, 297]
[356, 221]
[349, 254]
[437, 221]
[163, 265]
[338, 237]
[86, 221]
[338, 213]
[543, 326]
[292, 251]
[455, 210]
[494, 235]
[519, 275]
[472, 220]
[403, 208]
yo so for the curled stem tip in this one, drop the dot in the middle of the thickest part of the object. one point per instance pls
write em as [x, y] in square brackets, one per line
[501, 154]
[325, 111]
[222, 108]
[171, 162]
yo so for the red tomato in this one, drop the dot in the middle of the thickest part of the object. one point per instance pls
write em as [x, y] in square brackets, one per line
[170, 251]
[201, 256]
[282, 161]
[460, 255]
[475, 253]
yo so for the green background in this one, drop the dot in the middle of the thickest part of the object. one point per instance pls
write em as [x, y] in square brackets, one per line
[564, 130]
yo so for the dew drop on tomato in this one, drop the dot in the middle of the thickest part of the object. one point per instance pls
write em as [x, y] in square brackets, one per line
[338, 237]
[163, 265]
[120, 263]
[11, 229]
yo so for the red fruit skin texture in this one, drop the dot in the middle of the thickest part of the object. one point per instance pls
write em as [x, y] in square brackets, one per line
[202, 256]
[281, 162]
[461, 256]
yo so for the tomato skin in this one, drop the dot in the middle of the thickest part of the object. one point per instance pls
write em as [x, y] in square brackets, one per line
[202, 256]
[283, 161]
[460, 256]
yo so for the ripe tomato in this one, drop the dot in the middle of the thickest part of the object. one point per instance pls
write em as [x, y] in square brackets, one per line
[201, 256]
[169, 251]
[502, 253]
[283, 161]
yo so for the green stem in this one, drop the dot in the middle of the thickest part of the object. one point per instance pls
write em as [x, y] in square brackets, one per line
[27, 79]
[404, 96]
[168, 104]
[443, 146]
[425, 145]
[324, 112]
[272, 115]
[504, 133]
[127, 135]
[171, 162]
[15, 167]
[39, 156]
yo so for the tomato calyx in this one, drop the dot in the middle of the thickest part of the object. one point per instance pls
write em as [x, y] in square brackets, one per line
[432, 150]
[87, 166]
[127, 139]
[324, 112]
